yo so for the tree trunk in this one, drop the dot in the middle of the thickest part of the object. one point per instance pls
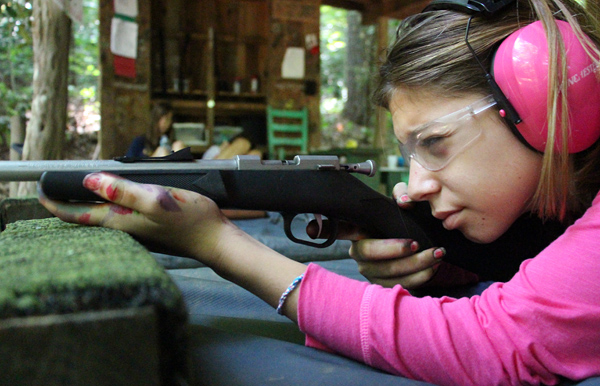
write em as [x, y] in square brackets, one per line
[45, 133]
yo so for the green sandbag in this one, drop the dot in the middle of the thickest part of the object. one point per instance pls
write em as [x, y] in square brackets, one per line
[49, 267]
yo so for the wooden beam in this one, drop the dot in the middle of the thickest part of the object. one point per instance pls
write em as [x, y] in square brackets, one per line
[347, 4]
[372, 10]
[401, 9]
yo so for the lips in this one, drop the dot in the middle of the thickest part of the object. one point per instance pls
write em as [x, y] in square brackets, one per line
[448, 217]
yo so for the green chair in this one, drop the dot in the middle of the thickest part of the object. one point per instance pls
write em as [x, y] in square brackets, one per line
[286, 128]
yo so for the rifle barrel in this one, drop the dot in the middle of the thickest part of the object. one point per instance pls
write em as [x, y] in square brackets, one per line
[32, 170]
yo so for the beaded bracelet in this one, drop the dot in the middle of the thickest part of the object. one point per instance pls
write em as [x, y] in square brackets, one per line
[287, 292]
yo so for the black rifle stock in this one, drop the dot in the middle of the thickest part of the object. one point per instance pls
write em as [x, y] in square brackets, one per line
[308, 184]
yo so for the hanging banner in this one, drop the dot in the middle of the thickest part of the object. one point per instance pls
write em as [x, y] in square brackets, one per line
[123, 37]
[293, 63]
[124, 66]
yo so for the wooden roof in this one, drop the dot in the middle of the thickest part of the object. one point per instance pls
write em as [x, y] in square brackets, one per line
[372, 9]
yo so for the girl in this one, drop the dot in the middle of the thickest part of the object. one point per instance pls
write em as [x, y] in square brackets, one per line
[477, 175]
[158, 142]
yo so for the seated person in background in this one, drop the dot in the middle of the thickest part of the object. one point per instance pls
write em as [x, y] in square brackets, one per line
[158, 142]
[239, 145]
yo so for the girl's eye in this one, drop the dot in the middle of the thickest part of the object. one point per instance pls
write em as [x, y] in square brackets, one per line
[431, 141]
[434, 145]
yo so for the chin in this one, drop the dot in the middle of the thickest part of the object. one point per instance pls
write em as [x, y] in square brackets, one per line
[480, 236]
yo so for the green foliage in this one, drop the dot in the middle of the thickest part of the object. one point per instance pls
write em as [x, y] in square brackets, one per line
[339, 130]
[16, 61]
[333, 53]
[16, 55]
[84, 71]
[83, 59]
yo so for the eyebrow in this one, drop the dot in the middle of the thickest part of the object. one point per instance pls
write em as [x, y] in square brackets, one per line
[414, 133]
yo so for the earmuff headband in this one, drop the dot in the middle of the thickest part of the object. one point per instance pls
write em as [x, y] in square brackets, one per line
[486, 8]
[507, 111]
[470, 7]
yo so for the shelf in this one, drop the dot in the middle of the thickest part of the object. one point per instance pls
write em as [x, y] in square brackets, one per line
[199, 107]
[202, 95]
[202, 37]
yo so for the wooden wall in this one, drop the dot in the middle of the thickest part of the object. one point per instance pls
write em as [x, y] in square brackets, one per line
[293, 22]
[124, 102]
[207, 45]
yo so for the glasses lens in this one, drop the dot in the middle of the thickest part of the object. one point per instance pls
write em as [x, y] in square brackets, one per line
[434, 146]
[405, 152]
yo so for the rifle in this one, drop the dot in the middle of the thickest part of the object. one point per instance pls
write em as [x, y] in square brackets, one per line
[306, 184]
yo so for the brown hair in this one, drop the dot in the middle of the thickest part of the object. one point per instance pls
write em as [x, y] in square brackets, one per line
[430, 55]
[159, 110]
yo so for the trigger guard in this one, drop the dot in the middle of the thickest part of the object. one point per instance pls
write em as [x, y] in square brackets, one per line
[287, 228]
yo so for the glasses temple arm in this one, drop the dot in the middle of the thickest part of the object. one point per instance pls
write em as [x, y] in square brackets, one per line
[511, 113]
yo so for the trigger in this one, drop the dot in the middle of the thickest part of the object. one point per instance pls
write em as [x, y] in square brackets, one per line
[319, 219]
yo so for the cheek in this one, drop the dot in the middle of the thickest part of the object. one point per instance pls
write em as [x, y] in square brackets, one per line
[497, 181]
[507, 179]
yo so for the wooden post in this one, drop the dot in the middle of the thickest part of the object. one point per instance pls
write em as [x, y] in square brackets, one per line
[211, 93]
[381, 118]
[125, 101]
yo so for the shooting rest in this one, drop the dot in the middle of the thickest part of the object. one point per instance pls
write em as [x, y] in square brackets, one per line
[86, 306]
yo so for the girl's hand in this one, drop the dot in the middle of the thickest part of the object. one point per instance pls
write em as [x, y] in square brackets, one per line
[389, 262]
[177, 220]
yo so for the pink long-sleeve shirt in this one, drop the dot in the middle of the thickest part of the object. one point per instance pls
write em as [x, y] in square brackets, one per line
[542, 324]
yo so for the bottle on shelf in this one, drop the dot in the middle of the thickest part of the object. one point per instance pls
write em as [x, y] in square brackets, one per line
[254, 84]
[165, 143]
[237, 86]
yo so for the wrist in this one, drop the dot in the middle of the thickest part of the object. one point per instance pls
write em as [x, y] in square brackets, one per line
[210, 243]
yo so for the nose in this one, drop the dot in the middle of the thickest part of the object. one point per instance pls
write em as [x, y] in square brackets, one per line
[422, 183]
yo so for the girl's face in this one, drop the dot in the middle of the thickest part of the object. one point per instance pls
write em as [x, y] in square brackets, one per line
[489, 177]
[164, 123]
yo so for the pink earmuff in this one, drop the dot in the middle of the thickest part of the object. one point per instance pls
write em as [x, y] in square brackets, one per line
[521, 70]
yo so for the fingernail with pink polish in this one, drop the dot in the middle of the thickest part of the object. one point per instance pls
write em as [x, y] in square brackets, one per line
[403, 199]
[92, 181]
[439, 253]
[414, 246]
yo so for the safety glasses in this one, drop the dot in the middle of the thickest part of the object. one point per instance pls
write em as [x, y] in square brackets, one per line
[436, 143]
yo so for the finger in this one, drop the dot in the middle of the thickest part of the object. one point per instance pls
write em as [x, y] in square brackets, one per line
[80, 213]
[399, 189]
[372, 249]
[410, 269]
[346, 230]
[399, 193]
[395, 268]
[409, 282]
[146, 199]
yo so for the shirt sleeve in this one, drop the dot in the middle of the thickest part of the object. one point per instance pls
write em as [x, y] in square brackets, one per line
[542, 324]
[136, 149]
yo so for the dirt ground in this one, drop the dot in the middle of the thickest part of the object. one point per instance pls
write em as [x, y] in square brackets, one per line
[78, 146]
